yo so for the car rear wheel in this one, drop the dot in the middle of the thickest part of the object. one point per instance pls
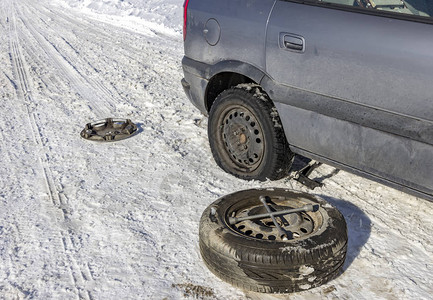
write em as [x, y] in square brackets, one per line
[246, 136]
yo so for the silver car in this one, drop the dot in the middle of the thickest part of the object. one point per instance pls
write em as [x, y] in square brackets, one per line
[344, 82]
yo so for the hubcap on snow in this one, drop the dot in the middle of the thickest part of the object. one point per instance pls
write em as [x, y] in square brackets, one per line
[109, 130]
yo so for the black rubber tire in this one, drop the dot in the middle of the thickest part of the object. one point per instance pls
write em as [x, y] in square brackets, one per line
[274, 159]
[273, 266]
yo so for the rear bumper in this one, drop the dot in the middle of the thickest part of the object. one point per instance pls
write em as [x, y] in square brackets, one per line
[195, 83]
[186, 87]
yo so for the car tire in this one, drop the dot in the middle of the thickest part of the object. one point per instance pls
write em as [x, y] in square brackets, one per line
[250, 256]
[246, 136]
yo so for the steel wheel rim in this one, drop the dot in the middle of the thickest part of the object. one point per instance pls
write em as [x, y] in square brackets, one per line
[242, 136]
[298, 225]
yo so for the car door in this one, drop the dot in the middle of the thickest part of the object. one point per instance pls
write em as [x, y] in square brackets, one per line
[354, 85]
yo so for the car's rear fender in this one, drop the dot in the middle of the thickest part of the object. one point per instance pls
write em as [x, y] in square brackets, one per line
[214, 79]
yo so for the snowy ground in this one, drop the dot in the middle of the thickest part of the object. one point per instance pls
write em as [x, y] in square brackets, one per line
[85, 220]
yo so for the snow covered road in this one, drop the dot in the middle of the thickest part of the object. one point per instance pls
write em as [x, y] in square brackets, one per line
[84, 220]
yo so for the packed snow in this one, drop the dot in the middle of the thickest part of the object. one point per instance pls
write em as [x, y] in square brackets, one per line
[89, 220]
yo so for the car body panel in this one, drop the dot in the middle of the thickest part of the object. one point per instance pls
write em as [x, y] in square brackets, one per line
[379, 62]
[359, 93]
[235, 43]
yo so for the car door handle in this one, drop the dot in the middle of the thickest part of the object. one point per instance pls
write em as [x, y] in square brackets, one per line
[294, 45]
[292, 42]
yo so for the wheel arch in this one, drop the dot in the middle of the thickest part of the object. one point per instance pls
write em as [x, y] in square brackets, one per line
[227, 74]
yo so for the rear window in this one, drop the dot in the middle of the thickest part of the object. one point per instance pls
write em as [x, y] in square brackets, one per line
[422, 8]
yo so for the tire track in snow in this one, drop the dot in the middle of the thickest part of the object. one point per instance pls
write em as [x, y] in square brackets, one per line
[99, 100]
[85, 30]
[147, 52]
[81, 275]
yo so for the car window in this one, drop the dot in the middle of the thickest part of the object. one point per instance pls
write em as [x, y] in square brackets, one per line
[422, 8]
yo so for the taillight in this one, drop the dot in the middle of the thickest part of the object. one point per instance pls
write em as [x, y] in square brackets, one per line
[185, 10]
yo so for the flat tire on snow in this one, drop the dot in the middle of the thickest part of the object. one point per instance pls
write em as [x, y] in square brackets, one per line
[246, 136]
[251, 255]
